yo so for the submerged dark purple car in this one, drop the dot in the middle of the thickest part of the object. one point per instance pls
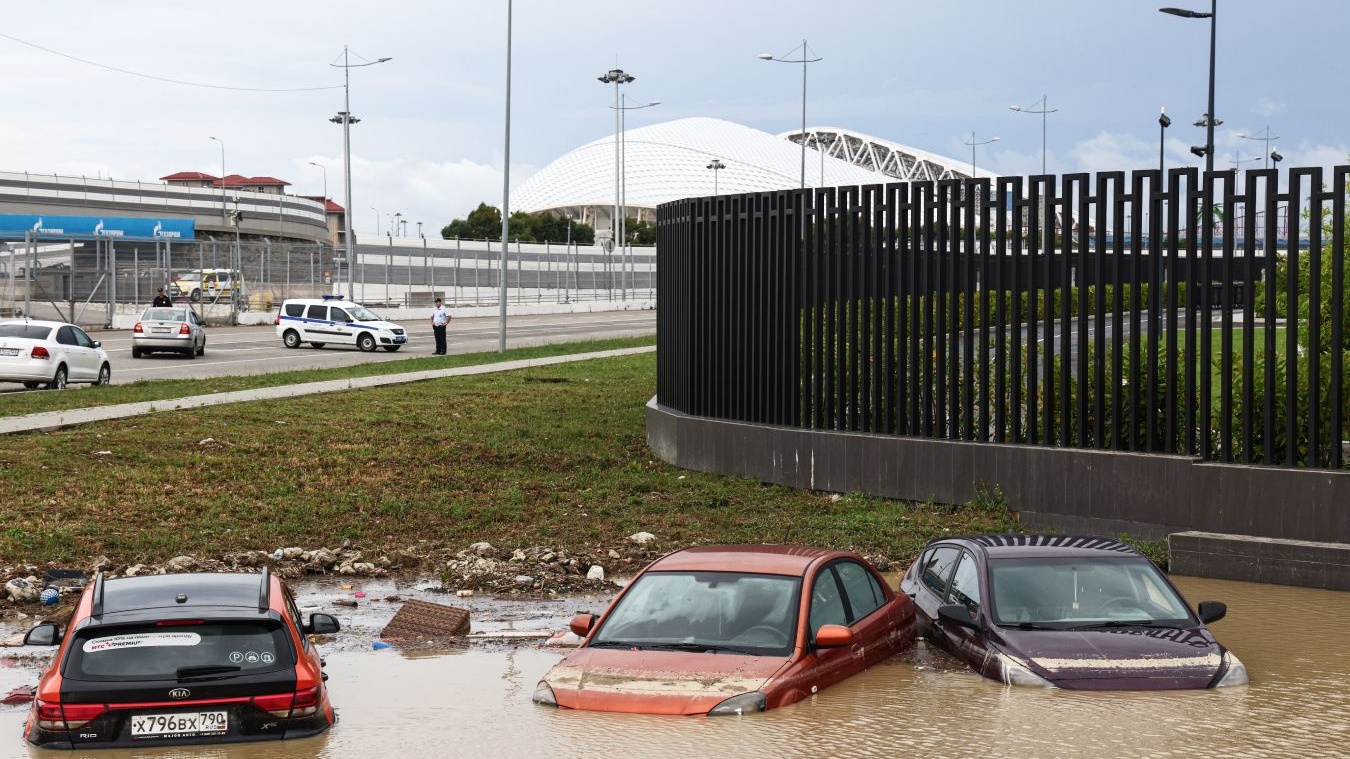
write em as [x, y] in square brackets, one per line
[1071, 612]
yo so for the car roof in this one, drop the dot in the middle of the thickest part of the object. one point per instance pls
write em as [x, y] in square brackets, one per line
[37, 322]
[205, 594]
[1020, 545]
[761, 559]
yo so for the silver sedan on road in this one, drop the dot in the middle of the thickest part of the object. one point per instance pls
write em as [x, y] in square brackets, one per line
[169, 328]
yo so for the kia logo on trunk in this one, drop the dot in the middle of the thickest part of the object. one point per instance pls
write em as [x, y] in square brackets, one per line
[180, 693]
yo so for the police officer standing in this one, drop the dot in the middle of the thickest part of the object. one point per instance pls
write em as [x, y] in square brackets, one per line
[440, 317]
[161, 299]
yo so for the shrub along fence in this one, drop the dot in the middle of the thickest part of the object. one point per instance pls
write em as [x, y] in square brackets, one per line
[1177, 314]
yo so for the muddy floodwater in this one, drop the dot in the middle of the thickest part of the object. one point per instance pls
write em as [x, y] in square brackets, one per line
[474, 700]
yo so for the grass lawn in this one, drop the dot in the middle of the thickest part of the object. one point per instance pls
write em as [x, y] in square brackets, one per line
[554, 456]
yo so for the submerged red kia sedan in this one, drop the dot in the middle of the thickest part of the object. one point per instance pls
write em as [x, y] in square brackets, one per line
[181, 659]
[735, 629]
[1085, 613]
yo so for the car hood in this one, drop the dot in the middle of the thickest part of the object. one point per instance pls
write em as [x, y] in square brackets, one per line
[378, 324]
[656, 682]
[1125, 658]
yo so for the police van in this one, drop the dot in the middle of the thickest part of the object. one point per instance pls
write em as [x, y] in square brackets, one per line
[330, 319]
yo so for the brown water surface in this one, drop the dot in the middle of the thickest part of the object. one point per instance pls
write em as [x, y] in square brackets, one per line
[475, 702]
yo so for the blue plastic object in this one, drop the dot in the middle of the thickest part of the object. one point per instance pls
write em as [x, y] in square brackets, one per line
[379, 645]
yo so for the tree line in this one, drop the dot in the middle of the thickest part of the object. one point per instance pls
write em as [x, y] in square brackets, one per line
[485, 223]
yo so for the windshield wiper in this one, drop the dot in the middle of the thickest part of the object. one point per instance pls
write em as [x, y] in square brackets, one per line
[613, 644]
[1032, 626]
[1125, 623]
[206, 669]
[695, 647]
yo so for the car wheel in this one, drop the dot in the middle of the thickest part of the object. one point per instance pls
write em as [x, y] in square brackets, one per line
[392, 348]
[366, 342]
[104, 375]
[196, 296]
[59, 379]
[201, 349]
[192, 352]
[291, 339]
[135, 352]
[318, 345]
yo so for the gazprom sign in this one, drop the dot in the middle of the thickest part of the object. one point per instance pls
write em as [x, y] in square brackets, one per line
[17, 224]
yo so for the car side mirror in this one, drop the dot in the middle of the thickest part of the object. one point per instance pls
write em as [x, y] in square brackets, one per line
[44, 634]
[1212, 611]
[321, 624]
[958, 615]
[834, 636]
[98, 343]
[581, 624]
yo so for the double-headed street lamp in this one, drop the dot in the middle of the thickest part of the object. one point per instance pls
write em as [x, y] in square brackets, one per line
[616, 77]
[1043, 111]
[805, 59]
[1267, 139]
[1209, 122]
[716, 166]
[973, 143]
[346, 119]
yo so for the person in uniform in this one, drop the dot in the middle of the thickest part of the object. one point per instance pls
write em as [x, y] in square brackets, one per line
[440, 317]
[161, 299]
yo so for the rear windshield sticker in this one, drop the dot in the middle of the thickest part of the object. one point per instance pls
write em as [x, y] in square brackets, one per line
[141, 640]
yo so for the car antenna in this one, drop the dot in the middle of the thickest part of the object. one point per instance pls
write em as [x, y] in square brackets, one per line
[264, 593]
[97, 608]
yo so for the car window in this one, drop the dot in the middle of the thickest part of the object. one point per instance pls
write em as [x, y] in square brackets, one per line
[318, 312]
[827, 602]
[294, 612]
[66, 336]
[965, 586]
[28, 331]
[936, 567]
[82, 339]
[163, 315]
[151, 652]
[861, 587]
[295, 309]
[338, 315]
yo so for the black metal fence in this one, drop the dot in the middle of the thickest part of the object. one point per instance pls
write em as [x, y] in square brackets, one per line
[1178, 313]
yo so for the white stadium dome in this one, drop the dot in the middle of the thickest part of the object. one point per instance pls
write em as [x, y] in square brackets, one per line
[669, 161]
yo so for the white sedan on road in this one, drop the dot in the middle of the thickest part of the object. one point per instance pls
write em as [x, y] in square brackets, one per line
[50, 353]
[176, 329]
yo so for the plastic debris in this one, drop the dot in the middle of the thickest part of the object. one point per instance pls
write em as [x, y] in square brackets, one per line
[20, 695]
[379, 645]
[345, 602]
[360, 594]
[50, 596]
[564, 638]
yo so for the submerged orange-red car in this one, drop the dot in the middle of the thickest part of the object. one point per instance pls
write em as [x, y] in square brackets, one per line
[735, 629]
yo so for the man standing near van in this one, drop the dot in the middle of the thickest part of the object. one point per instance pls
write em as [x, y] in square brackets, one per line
[440, 317]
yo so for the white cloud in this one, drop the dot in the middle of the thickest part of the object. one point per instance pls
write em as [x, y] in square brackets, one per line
[1267, 107]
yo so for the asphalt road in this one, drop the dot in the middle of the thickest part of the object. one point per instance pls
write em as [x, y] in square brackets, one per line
[258, 350]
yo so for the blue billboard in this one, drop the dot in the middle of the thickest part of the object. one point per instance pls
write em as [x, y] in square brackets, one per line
[16, 224]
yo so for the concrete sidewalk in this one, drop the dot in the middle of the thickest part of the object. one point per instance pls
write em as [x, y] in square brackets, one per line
[55, 420]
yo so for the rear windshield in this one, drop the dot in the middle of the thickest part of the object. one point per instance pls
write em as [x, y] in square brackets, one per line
[164, 315]
[30, 331]
[149, 652]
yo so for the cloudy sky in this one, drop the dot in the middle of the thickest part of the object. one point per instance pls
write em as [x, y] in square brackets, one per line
[135, 89]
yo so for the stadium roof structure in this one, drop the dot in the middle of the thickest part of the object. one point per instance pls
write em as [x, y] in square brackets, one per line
[669, 161]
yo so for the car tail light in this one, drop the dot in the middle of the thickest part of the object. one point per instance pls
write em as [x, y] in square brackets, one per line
[138, 329]
[57, 716]
[40, 352]
[278, 319]
[184, 329]
[301, 703]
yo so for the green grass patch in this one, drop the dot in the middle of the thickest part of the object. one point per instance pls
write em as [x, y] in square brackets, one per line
[17, 404]
[505, 457]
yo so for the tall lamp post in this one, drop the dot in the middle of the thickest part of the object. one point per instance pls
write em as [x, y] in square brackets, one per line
[398, 219]
[1164, 121]
[1043, 111]
[346, 119]
[624, 252]
[716, 166]
[616, 77]
[805, 59]
[973, 144]
[506, 195]
[1209, 121]
[224, 211]
[823, 143]
[1267, 139]
[324, 169]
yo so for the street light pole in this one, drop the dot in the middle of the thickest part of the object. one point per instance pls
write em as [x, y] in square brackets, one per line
[346, 119]
[324, 169]
[398, 219]
[716, 166]
[617, 77]
[972, 143]
[1267, 139]
[224, 211]
[625, 256]
[1210, 120]
[506, 195]
[805, 59]
[1043, 111]
[823, 143]
[1164, 121]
